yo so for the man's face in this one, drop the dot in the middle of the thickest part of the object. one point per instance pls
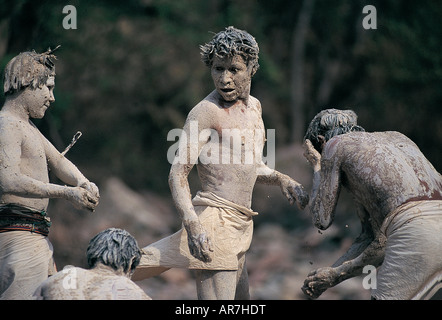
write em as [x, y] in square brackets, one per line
[38, 100]
[232, 77]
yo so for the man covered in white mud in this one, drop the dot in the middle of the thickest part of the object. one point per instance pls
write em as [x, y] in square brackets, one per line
[217, 222]
[112, 256]
[398, 194]
[25, 159]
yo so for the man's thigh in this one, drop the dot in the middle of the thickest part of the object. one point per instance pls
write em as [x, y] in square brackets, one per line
[216, 285]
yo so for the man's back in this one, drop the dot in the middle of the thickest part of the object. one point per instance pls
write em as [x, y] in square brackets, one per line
[99, 283]
[383, 170]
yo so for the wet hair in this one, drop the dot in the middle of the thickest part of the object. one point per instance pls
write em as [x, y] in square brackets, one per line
[329, 123]
[115, 248]
[231, 42]
[28, 69]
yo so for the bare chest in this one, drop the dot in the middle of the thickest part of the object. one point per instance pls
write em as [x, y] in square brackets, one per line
[33, 155]
[238, 121]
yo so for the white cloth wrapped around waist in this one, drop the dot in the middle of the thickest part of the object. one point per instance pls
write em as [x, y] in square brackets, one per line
[412, 267]
[229, 227]
[25, 261]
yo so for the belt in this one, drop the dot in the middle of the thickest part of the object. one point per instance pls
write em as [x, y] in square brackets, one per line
[14, 217]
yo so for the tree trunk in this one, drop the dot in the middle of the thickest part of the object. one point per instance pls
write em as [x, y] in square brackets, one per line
[297, 71]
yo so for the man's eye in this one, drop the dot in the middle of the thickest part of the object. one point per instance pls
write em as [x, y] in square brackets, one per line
[233, 70]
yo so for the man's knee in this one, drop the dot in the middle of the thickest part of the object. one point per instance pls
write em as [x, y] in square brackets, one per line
[214, 284]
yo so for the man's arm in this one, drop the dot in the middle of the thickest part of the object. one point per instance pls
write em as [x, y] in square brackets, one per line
[326, 185]
[188, 152]
[293, 190]
[66, 171]
[366, 250]
[13, 181]
[321, 279]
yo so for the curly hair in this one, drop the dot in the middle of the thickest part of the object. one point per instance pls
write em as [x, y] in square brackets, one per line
[231, 42]
[329, 123]
[28, 69]
[115, 248]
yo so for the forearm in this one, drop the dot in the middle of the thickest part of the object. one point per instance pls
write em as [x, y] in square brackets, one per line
[372, 255]
[293, 190]
[315, 186]
[67, 172]
[354, 251]
[25, 186]
[181, 195]
[198, 241]
[270, 177]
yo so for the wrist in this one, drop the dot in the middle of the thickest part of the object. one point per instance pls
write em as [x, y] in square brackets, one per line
[192, 225]
[68, 192]
[82, 182]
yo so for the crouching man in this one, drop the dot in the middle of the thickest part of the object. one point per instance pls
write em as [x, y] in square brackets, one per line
[398, 195]
[112, 256]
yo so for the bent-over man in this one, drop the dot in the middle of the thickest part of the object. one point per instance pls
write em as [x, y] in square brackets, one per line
[398, 195]
[112, 256]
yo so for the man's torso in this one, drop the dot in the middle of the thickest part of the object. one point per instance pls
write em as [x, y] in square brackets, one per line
[227, 163]
[32, 161]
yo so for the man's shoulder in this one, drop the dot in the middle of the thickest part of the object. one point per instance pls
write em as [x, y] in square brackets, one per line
[12, 122]
[339, 145]
[5, 118]
[254, 100]
[207, 105]
[255, 103]
[9, 125]
[375, 137]
[360, 141]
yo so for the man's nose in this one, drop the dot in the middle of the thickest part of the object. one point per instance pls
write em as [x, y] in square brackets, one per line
[51, 97]
[226, 77]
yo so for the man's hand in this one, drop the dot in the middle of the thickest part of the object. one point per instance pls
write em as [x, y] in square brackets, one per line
[312, 155]
[320, 280]
[92, 188]
[199, 244]
[82, 198]
[294, 191]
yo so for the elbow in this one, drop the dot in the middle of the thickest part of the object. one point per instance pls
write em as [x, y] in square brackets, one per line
[171, 181]
[321, 224]
[178, 176]
[322, 219]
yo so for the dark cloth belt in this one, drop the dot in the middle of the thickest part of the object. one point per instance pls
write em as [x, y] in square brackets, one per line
[14, 217]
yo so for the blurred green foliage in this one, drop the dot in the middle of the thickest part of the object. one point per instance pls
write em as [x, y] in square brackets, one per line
[131, 71]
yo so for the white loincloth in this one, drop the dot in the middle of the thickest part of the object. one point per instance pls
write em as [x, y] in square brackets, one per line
[25, 262]
[412, 267]
[229, 227]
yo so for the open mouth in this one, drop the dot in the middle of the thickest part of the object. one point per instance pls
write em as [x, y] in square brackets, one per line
[227, 90]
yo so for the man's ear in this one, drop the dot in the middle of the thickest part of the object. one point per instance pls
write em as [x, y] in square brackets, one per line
[252, 68]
